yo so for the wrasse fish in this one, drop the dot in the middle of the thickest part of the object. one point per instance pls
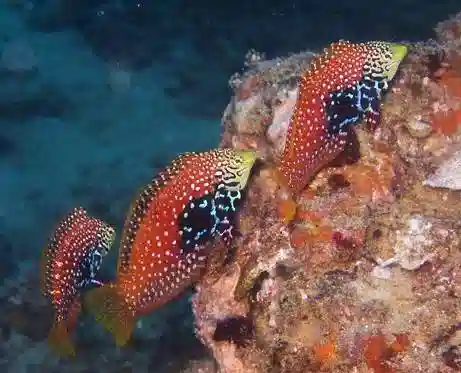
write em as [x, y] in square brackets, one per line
[69, 264]
[342, 86]
[163, 251]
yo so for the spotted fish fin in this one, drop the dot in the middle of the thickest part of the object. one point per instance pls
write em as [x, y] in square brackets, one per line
[44, 265]
[111, 311]
[47, 257]
[59, 336]
[74, 312]
[59, 339]
[49, 252]
[351, 150]
[140, 206]
[126, 237]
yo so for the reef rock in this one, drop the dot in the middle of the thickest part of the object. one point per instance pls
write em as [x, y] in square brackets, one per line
[361, 271]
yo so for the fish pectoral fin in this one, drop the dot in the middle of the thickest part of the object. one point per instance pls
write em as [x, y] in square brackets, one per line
[111, 311]
[59, 340]
[351, 151]
[95, 282]
[74, 312]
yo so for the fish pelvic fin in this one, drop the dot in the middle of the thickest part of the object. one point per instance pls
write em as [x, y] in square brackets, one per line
[111, 310]
[59, 340]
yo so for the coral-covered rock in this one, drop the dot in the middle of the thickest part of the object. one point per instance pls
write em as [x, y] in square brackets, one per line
[361, 270]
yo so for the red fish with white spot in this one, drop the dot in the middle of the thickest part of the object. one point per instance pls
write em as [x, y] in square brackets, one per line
[162, 249]
[343, 86]
[69, 264]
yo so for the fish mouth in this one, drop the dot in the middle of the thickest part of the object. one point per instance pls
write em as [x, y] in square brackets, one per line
[107, 238]
[399, 51]
[248, 158]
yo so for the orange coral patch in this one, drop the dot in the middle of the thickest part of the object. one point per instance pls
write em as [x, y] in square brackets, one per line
[325, 353]
[314, 217]
[299, 238]
[447, 122]
[323, 234]
[303, 236]
[401, 343]
[286, 209]
[452, 81]
[366, 180]
[376, 353]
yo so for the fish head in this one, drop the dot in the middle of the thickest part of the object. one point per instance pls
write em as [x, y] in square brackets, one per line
[91, 263]
[106, 238]
[236, 171]
[383, 60]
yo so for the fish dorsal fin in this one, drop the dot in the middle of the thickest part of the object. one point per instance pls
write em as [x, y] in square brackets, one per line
[141, 205]
[319, 61]
[49, 251]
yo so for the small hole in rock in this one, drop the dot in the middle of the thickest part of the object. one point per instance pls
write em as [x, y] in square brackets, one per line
[236, 329]
[337, 181]
[377, 233]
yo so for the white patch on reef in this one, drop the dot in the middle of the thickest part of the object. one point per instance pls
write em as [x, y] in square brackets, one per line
[243, 108]
[277, 131]
[412, 245]
[380, 272]
[283, 255]
[448, 175]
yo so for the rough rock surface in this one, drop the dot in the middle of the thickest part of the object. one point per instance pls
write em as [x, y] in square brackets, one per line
[362, 272]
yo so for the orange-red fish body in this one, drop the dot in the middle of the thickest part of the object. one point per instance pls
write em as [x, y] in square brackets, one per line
[163, 247]
[165, 238]
[70, 263]
[343, 86]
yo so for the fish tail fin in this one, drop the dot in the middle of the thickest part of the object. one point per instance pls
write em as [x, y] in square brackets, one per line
[110, 309]
[59, 339]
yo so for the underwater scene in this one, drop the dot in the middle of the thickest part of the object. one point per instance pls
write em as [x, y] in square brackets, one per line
[230, 187]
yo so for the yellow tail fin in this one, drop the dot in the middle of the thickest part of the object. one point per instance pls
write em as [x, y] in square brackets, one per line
[59, 340]
[111, 311]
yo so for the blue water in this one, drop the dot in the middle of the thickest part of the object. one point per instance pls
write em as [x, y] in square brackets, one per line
[95, 96]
